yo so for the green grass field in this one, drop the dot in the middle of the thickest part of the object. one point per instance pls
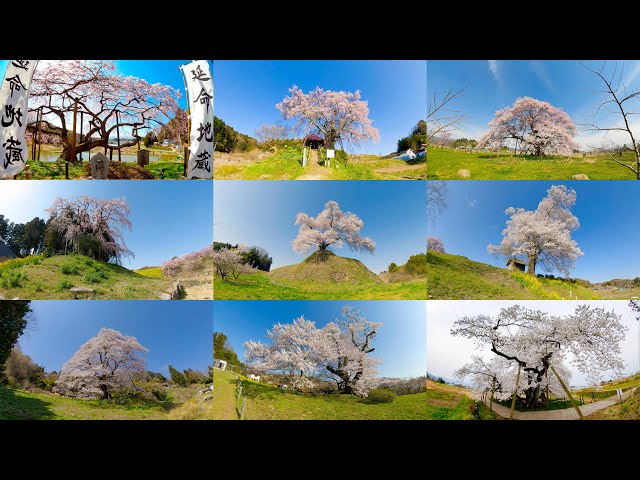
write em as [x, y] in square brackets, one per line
[454, 277]
[38, 278]
[22, 405]
[287, 165]
[265, 402]
[627, 410]
[608, 389]
[259, 286]
[444, 164]
[318, 278]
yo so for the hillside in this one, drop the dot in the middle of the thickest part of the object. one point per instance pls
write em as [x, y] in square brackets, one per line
[326, 268]
[23, 405]
[265, 402]
[38, 278]
[450, 402]
[456, 277]
[335, 278]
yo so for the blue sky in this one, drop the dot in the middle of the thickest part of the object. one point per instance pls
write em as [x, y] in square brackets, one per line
[400, 343]
[608, 233]
[166, 72]
[247, 92]
[176, 333]
[263, 213]
[446, 353]
[169, 218]
[495, 84]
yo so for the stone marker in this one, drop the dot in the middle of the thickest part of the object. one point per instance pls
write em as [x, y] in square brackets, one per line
[178, 292]
[464, 173]
[165, 296]
[143, 157]
[99, 166]
[81, 291]
[580, 176]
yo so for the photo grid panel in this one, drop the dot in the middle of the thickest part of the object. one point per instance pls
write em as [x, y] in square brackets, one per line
[319, 287]
[89, 270]
[533, 305]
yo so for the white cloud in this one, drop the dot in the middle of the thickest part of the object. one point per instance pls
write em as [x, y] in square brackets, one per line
[632, 76]
[445, 353]
[494, 68]
[541, 72]
[471, 202]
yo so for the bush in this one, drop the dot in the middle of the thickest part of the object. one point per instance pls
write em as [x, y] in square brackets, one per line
[393, 267]
[69, 269]
[636, 281]
[417, 264]
[178, 378]
[13, 279]
[381, 395]
[64, 285]
[95, 275]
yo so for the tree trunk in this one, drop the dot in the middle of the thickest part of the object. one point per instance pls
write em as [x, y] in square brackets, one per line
[330, 139]
[532, 264]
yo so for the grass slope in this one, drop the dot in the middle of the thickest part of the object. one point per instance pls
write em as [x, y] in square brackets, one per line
[608, 389]
[627, 410]
[287, 165]
[458, 278]
[334, 278]
[265, 402]
[117, 170]
[37, 278]
[444, 164]
[22, 405]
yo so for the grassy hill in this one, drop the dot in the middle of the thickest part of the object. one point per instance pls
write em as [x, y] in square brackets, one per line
[265, 402]
[450, 402]
[457, 278]
[23, 405]
[38, 278]
[333, 278]
[445, 163]
[608, 389]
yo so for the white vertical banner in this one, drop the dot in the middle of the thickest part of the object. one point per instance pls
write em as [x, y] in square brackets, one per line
[199, 84]
[14, 98]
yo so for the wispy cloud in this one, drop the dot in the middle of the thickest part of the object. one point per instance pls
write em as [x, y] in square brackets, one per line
[632, 75]
[540, 70]
[471, 202]
[494, 68]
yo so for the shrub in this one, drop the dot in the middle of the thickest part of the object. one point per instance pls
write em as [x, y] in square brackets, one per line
[38, 286]
[381, 395]
[417, 264]
[64, 285]
[393, 267]
[636, 281]
[13, 279]
[69, 269]
[95, 275]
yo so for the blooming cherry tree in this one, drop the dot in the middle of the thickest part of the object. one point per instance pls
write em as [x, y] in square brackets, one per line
[332, 227]
[228, 261]
[107, 99]
[543, 236]
[338, 116]
[536, 342]
[106, 362]
[91, 226]
[302, 353]
[435, 244]
[531, 126]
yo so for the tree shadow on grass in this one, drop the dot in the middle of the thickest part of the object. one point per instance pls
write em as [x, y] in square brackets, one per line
[417, 161]
[19, 407]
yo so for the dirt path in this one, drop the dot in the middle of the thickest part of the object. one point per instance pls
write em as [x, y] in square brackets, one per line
[314, 170]
[562, 414]
[401, 168]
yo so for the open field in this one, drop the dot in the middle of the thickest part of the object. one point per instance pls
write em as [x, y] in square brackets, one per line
[445, 163]
[266, 402]
[23, 405]
[287, 165]
[454, 277]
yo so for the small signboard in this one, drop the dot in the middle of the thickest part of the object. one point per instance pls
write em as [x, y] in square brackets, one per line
[331, 153]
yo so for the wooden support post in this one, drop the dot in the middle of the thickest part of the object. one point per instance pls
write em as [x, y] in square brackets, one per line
[567, 392]
[118, 134]
[244, 408]
[546, 373]
[515, 392]
[81, 131]
[186, 161]
[493, 388]
[39, 135]
[73, 140]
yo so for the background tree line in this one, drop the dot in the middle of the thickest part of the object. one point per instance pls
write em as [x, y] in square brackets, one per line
[255, 257]
[24, 238]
